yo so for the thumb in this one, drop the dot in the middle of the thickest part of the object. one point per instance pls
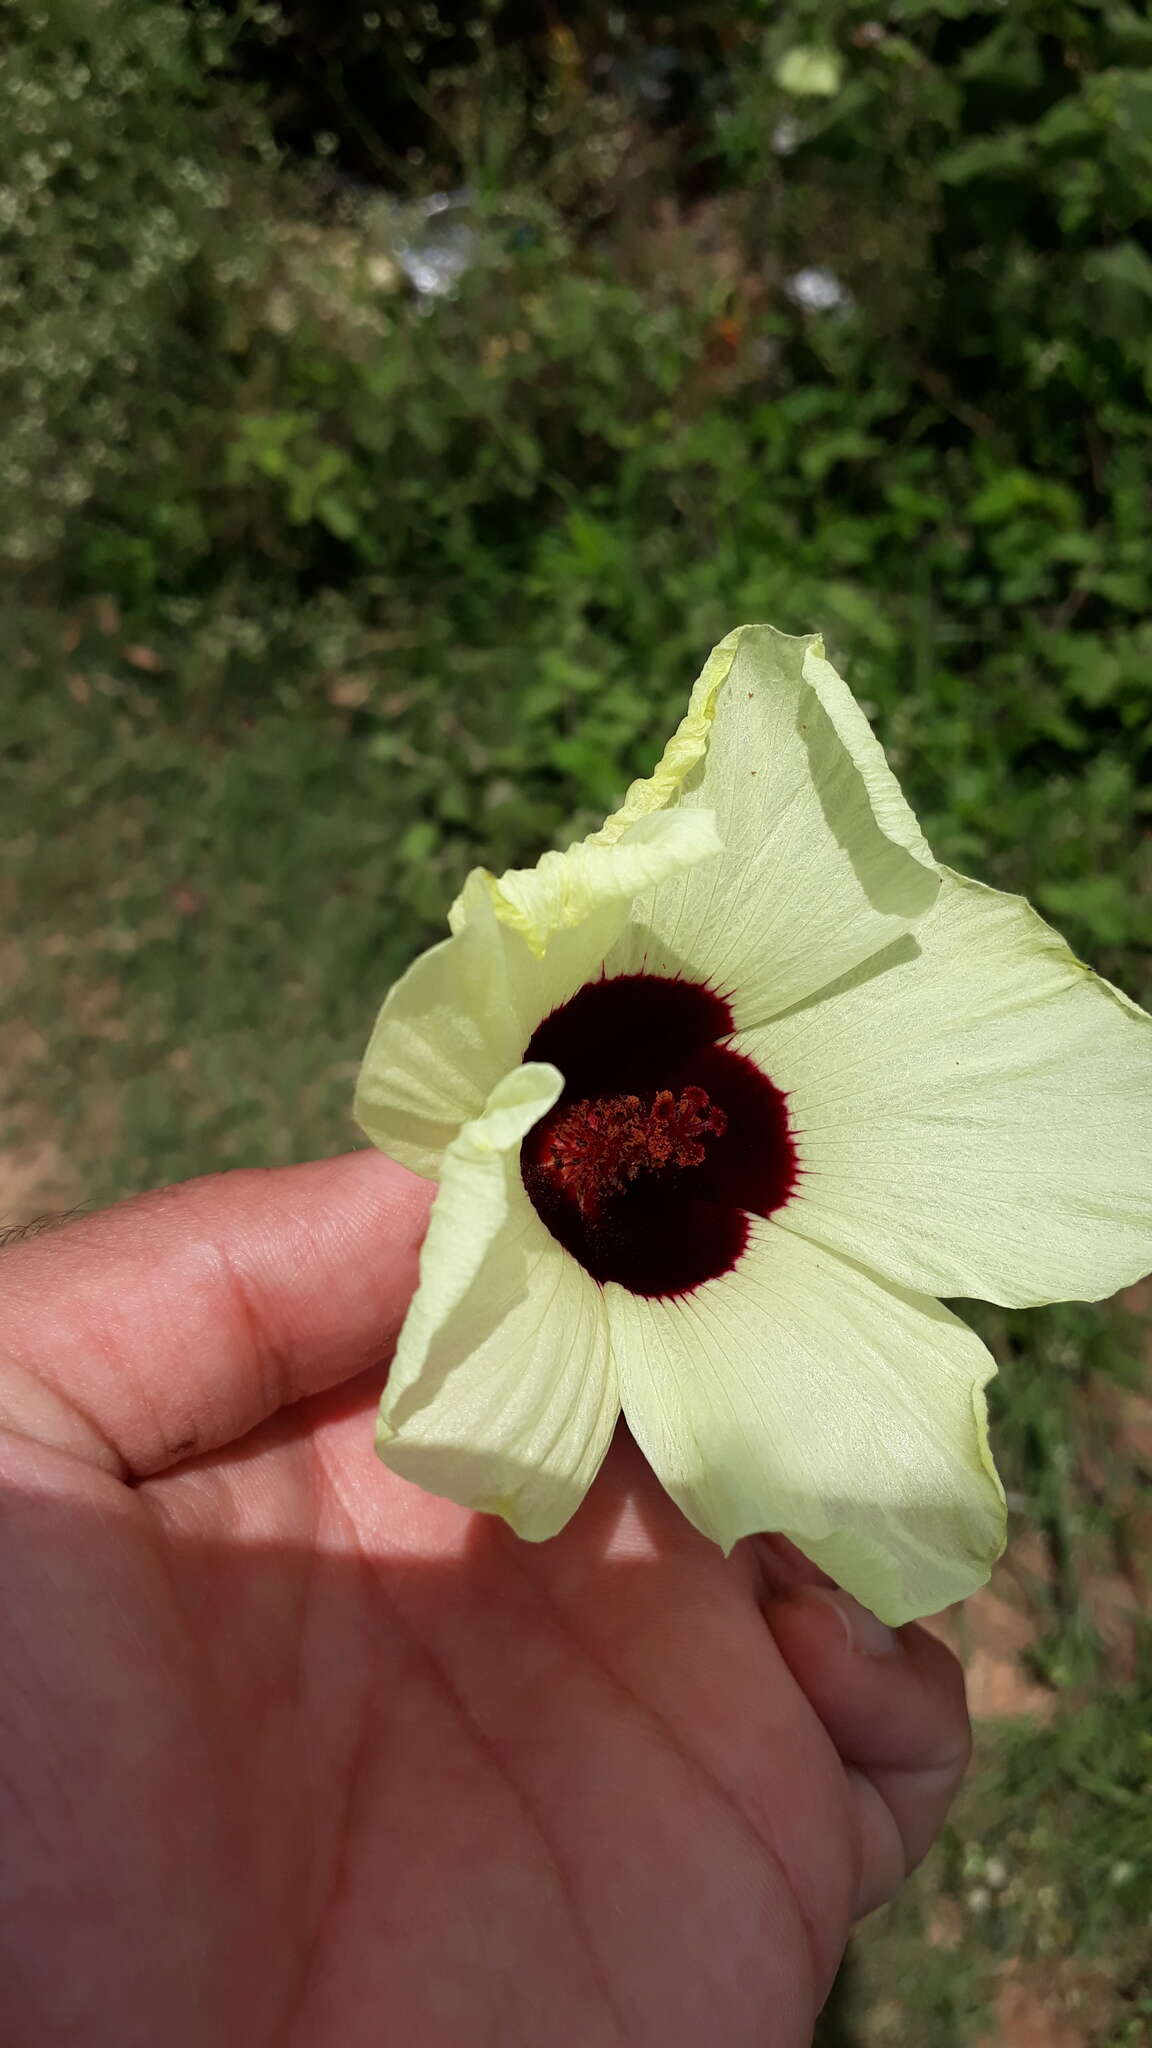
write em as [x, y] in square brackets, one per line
[175, 1323]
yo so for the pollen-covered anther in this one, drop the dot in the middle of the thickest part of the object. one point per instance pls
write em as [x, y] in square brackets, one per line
[598, 1146]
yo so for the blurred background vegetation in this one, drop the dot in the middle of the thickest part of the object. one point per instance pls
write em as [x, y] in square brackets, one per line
[395, 405]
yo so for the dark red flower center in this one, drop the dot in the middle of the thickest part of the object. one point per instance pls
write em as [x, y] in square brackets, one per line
[664, 1140]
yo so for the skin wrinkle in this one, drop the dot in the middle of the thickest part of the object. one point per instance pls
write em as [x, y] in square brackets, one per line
[117, 1358]
[334, 1888]
[268, 1357]
[276, 2036]
[338, 1882]
[488, 1750]
[117, 1362]
[943, 1773]
[697, 1768]
[96, 1447]
[870, 1800]
[23, 1680]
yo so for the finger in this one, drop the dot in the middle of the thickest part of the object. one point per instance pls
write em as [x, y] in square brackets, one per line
[778, 1568]
[893, 1703]
[176, 1322]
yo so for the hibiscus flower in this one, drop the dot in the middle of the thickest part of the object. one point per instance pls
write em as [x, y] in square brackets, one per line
[719, 1101]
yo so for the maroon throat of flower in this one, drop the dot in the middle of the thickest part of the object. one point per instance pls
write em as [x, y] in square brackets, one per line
[664, 1140]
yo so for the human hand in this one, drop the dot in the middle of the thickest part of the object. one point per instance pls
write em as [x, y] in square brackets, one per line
[293, 1755]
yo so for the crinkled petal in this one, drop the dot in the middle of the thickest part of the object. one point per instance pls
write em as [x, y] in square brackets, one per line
[502, 1395]
[463, 1013]
[684, 751]
[824, 863]
[564, 889]
[974, 1112]
[798, 1393]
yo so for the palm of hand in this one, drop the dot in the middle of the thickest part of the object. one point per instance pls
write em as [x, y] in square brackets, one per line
[295, 1756]
[353, 1774]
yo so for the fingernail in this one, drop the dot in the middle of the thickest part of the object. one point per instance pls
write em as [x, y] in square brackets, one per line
[866, 1634]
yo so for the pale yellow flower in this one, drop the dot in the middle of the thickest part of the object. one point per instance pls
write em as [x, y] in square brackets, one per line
[718, 1101]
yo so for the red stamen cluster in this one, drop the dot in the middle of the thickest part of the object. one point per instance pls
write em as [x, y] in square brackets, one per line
[599, 1146]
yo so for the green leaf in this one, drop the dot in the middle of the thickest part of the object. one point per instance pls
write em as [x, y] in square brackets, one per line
[1125, 267]
[1007, 155]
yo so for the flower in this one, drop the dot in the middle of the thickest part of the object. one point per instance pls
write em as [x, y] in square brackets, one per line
[719, 1101]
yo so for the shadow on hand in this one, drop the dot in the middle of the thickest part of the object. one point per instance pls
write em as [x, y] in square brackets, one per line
[366, 1791]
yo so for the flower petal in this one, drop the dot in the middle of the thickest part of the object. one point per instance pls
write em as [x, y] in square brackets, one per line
[565, 889]
[502, 1395]
[446, 1033]
[684, 751]
[974, 1117]
[798, 1393]
[824, 863]
[463, 1013]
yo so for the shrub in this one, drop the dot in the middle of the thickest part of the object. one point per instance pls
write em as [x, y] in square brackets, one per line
[846, 330]
[120, 147]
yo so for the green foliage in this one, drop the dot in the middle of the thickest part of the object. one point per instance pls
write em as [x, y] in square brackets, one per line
[114, 184]
[625, 426]
[1043, 1880]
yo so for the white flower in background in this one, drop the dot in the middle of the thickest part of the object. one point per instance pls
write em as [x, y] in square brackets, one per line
[718, 1101]
[816, 290]
[438, 243]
